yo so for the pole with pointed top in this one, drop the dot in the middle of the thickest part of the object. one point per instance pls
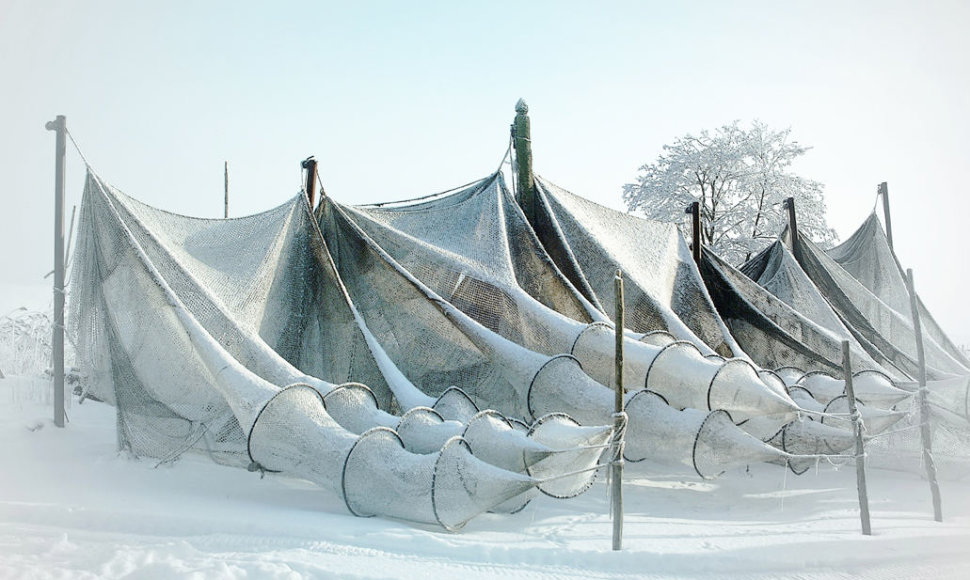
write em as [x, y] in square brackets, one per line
[60, 126]
[522, 141]
[884, 192]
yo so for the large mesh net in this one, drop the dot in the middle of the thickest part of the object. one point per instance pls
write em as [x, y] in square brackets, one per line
[776, 330]
[183, 325]
[663, 288]
[431, 361]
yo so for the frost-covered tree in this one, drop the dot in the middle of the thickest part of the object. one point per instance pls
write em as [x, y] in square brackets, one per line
[740, 177]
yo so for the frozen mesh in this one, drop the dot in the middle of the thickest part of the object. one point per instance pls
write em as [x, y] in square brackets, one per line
[867, 256]
[888, 330]
[771, 330]
[874, 420]
[901, 448]
[475, 249]
[708, 443]
[190, 369]
[663, 289]
[577, 449]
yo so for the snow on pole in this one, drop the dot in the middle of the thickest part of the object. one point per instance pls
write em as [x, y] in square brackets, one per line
[225, 188]
[522, 139]
[310, 165]
[60, 125]
[792, 226]
[860, 451]
[694, 210]
[884, 192]
[924, 409]
[616, 466]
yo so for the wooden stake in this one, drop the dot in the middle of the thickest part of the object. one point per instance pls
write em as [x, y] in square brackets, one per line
[617, 465]
[792, 225]
[694, 209]
[522, 140]
[226, 187]
[310, 164]
[924, 409]
[60, 126]
[860, 450]
[884, 192]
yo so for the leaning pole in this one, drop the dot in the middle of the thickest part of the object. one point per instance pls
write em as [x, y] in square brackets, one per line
[60, 126]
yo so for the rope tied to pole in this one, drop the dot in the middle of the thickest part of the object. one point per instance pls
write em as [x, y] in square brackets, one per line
[77, 148]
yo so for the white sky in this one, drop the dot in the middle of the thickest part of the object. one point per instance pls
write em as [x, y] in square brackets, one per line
[402, 99]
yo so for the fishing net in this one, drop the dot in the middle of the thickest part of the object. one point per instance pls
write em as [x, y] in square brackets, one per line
[867, 256]
[663, 289]
[773, 331]
[888, 330]
[204, 335]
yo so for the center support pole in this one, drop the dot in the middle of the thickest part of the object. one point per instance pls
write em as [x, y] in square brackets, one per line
[924, 407]
[884, 192]
[792, 226]
[225, 184]
[310, 187]
[694, 210]
[860, 450]
[616, 467]
[60, 126]
[522, 141]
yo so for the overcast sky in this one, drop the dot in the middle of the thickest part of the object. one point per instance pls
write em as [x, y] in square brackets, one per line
[400, 99]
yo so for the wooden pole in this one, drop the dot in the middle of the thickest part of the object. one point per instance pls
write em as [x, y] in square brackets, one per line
[226, 187]
[60, 126]
[522, 141]
[860, 450]
[617, 464]
[884, 192]
[694, 209]
[792, 226]
[924, 409]
[310, 164]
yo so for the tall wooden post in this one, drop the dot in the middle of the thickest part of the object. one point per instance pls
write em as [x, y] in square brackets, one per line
[619, 420]
[60, 148]
[522, 140]
[884, 192]
[924, 409]
[860, 450]
[226, 188]
[694, 209]
[310, 164]
[792, 225]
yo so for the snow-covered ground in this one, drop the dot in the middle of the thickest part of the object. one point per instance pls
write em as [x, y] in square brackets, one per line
[72, 507]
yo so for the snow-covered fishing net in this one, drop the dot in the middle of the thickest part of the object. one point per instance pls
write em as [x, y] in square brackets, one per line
[889, 331]
[772, 329]
[663, 288]
[478, 238]
[867, 256]
[440, 246]
[229, 336]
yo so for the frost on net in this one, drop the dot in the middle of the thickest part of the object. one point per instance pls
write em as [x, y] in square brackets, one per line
[663, 288]
[771, 330]
[889, 331]
[447, 246]
[867, 256]
[175, 328]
